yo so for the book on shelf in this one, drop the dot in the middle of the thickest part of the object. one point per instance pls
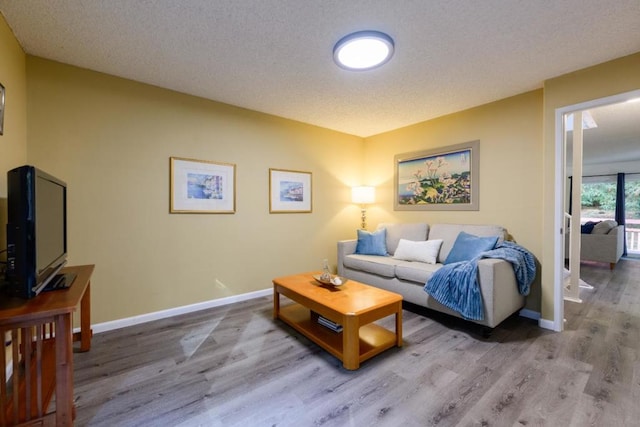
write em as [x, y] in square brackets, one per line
[336, 327]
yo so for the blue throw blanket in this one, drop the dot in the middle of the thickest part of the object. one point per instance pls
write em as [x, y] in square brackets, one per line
[456, 285]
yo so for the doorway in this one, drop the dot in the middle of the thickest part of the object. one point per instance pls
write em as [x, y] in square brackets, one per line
[561, 190]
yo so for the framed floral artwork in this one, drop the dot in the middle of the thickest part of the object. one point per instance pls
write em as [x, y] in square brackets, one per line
[438, 179]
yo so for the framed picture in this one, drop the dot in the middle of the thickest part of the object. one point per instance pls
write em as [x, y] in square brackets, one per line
[1, 109]
[200, 186]
[289, 191]
[444, 179]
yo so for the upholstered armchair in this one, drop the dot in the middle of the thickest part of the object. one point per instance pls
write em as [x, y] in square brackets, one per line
[604, 244]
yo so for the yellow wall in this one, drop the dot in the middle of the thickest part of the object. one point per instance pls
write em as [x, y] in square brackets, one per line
[510, 134]
[111, 139]
[13, 143]
[611, 78]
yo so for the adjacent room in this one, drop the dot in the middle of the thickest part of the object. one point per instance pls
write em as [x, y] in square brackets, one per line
[220, 161]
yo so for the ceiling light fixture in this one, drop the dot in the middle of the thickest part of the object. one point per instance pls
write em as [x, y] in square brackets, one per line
[363, 50]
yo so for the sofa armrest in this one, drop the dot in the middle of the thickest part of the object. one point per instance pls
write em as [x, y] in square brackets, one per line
[499, 289]
[345, 247]
[619, 232]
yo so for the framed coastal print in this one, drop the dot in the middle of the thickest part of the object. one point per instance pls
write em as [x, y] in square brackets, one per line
[202, 186]
[444, 179]
[289, 191]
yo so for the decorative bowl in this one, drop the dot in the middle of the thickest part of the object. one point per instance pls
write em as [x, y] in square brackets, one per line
[335, 280]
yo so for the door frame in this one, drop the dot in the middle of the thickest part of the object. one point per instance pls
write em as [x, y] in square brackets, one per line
[560, 167]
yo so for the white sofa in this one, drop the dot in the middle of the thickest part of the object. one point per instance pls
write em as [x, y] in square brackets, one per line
[496, 277]
[604, 244]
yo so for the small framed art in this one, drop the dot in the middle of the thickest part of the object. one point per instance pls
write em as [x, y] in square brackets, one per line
[289, 191]
[202, 186]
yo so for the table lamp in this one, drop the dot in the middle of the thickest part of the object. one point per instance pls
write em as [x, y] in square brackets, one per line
[363, 195]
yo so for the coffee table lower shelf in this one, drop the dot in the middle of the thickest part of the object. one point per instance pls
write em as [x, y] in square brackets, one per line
[374, 339]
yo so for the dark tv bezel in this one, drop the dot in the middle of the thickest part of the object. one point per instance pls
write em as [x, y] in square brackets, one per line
[24, 279]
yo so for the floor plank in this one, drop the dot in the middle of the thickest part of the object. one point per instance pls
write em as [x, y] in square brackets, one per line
[236, 366]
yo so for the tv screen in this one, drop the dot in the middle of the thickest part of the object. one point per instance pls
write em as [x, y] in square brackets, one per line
[36, 230]
[50, 224]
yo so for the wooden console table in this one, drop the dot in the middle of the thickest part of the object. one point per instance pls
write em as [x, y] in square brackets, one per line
[42, 339]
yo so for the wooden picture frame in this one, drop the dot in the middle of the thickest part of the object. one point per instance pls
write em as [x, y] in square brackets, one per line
[2, 91]
[441, 179]
[290, 191]
[202, 186]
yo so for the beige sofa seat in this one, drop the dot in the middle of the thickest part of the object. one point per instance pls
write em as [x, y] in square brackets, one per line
[601, 246]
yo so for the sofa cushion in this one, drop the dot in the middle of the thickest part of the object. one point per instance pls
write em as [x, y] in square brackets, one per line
[417, 272]
[449, 232]
[587, 227]
[411, 231]
[382, 266]
[467, 247]
[426, 251]
[372, 243]
[604, 227]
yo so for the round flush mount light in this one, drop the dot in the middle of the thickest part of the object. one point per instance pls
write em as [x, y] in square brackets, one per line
[363, 50]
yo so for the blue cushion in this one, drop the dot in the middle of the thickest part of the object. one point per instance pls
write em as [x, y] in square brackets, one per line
[467, 247]
[372, 243]
[587, 227]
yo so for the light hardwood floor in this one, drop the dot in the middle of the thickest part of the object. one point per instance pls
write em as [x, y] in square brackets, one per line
[235, 365]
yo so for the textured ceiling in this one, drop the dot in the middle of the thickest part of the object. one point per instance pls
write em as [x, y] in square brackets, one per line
[616, 139]
[275, 56]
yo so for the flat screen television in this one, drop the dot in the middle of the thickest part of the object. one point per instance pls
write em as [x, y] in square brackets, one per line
[36, 231]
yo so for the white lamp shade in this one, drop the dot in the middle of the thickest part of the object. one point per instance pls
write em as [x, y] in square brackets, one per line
[363, 194]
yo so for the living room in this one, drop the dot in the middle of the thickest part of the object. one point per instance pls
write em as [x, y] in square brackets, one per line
[111, 140]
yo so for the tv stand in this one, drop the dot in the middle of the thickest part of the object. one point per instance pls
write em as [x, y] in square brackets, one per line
[41, 330]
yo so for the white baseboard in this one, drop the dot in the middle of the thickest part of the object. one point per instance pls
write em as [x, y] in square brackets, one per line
[529, 314]
[543, 323]
[547, 324]
[163, 314]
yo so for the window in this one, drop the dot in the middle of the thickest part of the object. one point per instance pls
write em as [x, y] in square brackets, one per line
[598, 200]
[632, 211]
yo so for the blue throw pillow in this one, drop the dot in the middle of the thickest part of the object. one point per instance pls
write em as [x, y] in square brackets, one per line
[587, 227]
[467, 247]
[372, 243]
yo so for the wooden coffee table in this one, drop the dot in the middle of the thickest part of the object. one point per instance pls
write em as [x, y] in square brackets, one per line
[353, 305]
